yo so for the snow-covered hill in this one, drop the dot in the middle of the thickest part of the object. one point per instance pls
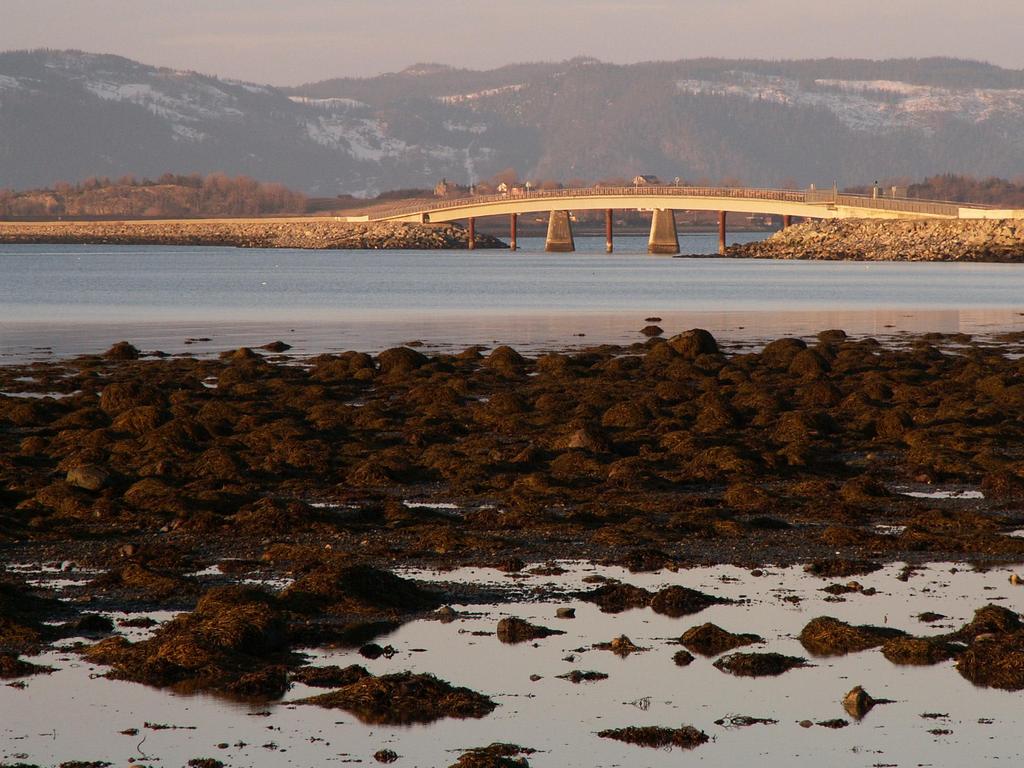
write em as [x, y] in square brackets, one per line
[184, 122]
[67, 115]
[871, 105]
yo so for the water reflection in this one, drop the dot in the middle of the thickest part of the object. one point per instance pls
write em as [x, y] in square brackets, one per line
[73, 714]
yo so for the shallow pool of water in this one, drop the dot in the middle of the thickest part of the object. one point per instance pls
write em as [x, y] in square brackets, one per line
[75, 713]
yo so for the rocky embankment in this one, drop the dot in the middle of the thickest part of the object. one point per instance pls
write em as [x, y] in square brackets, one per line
[268, 233]
[877, 240]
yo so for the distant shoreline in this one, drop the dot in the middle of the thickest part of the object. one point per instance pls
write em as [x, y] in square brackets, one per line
[950, 240]
[299, 233]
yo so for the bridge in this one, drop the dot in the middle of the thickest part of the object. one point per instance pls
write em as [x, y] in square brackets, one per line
[664, 200]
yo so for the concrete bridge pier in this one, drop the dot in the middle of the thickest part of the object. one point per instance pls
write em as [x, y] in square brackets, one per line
[472, 233]
[513, 234]
[664, 238]
[787, 221]
[560, 239]
[609, 244]
[721, 232]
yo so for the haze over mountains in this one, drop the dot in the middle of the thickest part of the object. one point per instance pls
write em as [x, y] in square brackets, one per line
[70, 115]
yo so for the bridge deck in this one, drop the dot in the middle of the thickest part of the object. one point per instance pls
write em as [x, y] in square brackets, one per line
[816, 204]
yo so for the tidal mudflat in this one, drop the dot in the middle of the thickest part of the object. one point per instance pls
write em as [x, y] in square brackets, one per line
[608, 556]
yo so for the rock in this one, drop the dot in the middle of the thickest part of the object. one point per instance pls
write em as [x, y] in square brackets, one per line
[620, 646]
[919, 651]
[682, 658]
[565, 613]
[617, 597]
[679, 601]
[826, 636]
[514, 630]
[89, 477]
[858, 703]
[879, 240]
[840, 568]
[122, 351]
[400, 360]
[336, 589]
[373, 651]
[494, 756]
[329, 677]
[652, 330]
[308, 233]
[276, 346]
[694, 343]
[995, 661]
[587, 438]
[404, 698]
[990, 619]
[782, 352]
[758, 664]
[710, 640]
[576, 677]
[686, 737]
[229, 643]
[505, 359]
[12, 667]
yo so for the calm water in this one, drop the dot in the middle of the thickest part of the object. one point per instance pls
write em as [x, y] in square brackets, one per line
[972, 726]
[74, 299]
[80, 299]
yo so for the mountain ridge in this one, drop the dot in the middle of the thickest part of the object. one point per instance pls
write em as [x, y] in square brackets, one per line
[68, 115]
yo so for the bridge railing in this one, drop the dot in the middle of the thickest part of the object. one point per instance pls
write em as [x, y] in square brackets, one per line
[811, 197]
[897, 204]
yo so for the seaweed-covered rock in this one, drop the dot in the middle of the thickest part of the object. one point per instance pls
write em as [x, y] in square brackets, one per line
[330, 676]
[841, 568]
[995, 661]
[676, 601]
[505, 359]
[617, 597]
[919, 651]
[122, 350]
[400, 360]
[694, 343]
[686, 737]
[682, 658]
[494, 756]
[11, 666]
[989, 619]
[357, 589]
[827, 636]
[22, 629]
[404, 698]
[578, 676]
[710, 640]
[142, 582]
[515, 630]
[758, 664]
[234, 642]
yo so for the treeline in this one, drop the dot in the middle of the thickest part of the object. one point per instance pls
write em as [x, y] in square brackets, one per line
[959, 189]
[169, 196]
[967, 189]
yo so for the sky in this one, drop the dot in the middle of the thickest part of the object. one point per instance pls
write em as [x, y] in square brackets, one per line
[289, 42]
